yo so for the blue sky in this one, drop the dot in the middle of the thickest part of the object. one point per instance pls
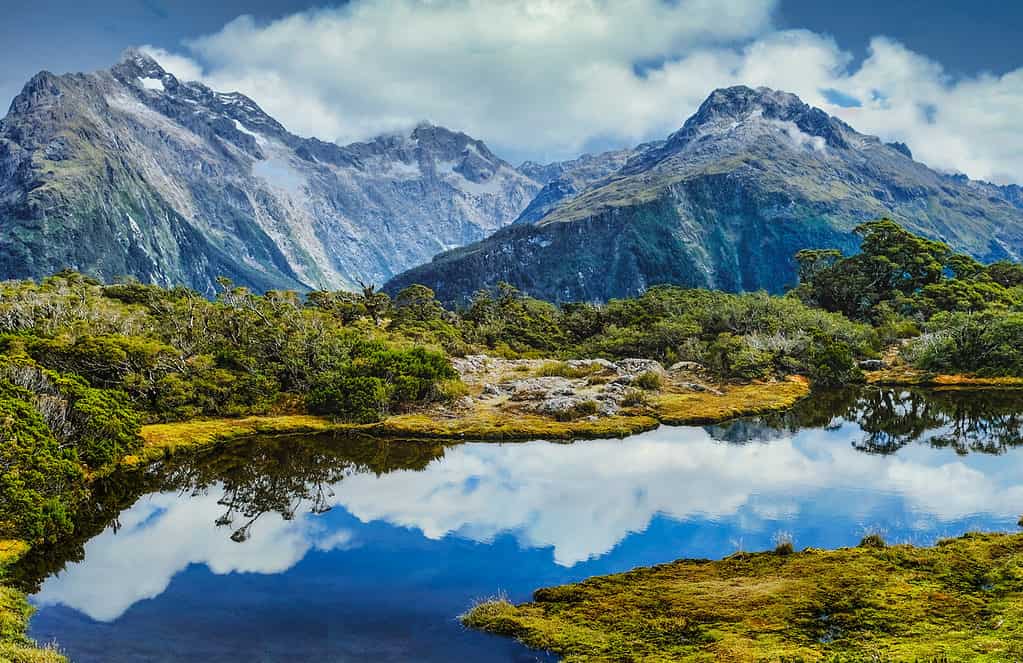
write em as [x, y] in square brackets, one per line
[544, 80]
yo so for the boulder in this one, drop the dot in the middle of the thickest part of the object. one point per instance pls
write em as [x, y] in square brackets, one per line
[633, 366]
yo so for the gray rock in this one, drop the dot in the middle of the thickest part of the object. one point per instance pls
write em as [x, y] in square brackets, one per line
[871, 364]
[491, 391]
[634, 367]
[686, 367]
[557, 406]
[531, 389]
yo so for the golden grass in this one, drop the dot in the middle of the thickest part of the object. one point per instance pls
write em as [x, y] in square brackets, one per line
[166, 439]
[484, 422]
[497, 425]
[904, 376]
[961, 600]
[678, 409]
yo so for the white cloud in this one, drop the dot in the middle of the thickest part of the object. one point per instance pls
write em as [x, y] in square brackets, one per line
[580, 500]
[168, 531]
[544, 78]
[182, 67]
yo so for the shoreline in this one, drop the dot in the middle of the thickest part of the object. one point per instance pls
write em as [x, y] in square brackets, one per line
[901, 376]
[665, 408]
[487, 425]
[959, 599]
[490, 425]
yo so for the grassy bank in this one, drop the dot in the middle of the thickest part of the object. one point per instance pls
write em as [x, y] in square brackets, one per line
[692, 409]
[15, 611]
[485, 424]
[961, 600]
[906, 376]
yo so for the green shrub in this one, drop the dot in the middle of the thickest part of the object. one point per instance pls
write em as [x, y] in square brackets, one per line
[733, 358]
[41, 484]
[832, 364]
[354, 399]
[565, 370]
[648, 381]
[635, 398]
[873, 540]
[104, 426]
[451, 390]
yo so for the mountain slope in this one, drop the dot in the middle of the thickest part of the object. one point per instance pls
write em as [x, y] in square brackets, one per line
[725, 202]
[564, 180]
[132, 172]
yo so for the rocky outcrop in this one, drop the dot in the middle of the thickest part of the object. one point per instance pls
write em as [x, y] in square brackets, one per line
[585, 387]
[132, 172]
[725, 202]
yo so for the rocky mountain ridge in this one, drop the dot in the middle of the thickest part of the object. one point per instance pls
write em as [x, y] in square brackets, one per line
[131, 172]
[725, 202]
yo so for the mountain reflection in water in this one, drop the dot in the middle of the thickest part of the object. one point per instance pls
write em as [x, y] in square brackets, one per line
[298, 548]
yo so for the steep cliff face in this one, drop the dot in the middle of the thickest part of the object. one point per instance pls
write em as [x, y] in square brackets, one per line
[725, 202]
[132, 172]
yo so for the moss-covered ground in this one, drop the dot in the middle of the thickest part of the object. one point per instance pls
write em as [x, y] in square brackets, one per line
[961, 600]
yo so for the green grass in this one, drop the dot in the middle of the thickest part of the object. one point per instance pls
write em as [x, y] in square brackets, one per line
[15, 646]
[563, 369]
[961, 600]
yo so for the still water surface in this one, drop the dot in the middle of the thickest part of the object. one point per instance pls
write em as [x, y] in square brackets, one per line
[345, 549]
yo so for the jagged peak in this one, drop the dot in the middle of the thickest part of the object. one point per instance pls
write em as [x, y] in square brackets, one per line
[141, 63]
[442, 139]
[736, 105]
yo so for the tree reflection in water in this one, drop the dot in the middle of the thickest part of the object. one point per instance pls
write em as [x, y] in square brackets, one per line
[289, 475]
[981, 421]
[283, 475]
[280, 477]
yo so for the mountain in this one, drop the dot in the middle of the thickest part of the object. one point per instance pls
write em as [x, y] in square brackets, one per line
[725, 202]
[564, 180]
[132, 172]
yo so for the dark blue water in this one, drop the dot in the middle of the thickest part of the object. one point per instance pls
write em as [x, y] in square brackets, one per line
[411, 538]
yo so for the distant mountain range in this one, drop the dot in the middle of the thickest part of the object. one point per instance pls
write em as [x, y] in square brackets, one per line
[725, 202]
[131, 172]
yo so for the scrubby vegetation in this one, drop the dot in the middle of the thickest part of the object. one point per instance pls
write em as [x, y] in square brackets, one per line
[85, 366]
[959, 601]
[958, 315]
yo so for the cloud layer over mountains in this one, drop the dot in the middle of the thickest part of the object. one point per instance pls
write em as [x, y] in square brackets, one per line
[548, 79]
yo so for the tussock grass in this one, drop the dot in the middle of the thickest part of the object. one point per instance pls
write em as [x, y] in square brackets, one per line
[648, 381]
[562, 369]
[485, 423]
[961, 600]
[166, 439]
[735, 401]
[906, 376]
